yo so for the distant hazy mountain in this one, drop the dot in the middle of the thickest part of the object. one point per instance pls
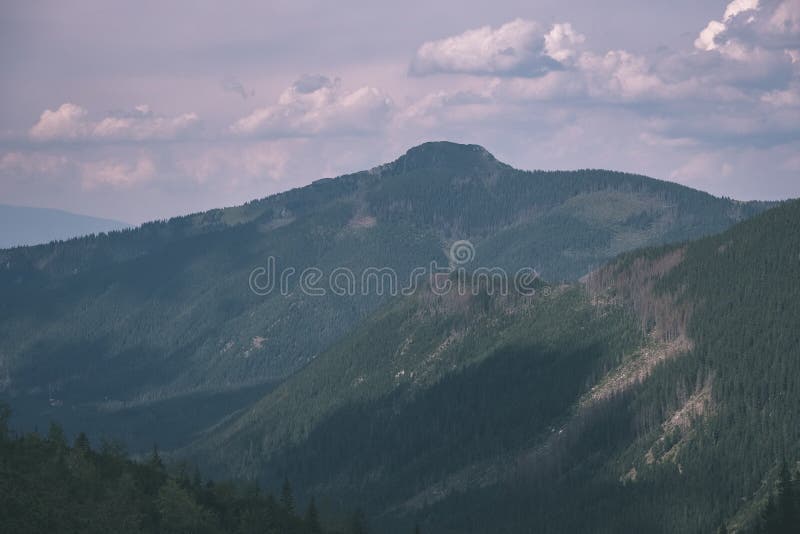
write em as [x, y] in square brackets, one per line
[21, 225]
[154, 332]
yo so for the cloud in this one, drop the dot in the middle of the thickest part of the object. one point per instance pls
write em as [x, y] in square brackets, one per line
[783, 98]
[703, 167]
[537, 95]
[67, 122]
[707, 38]
[70, 122]
[116, 173]
[618, 74]
[32, 163]
[750, 26]
[315, 105]
[233, 85]
[739, 6]
[311, 83]
[561, 42]
[739, 86]
[442, 107]
[786, 18]
[518, 48]
[239, 165]
[711, 34]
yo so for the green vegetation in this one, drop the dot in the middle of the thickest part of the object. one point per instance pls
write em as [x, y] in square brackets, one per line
[153, 334]
[47, 486]
[658, 395]
[700, 442]
[506, 431]
[428, 346]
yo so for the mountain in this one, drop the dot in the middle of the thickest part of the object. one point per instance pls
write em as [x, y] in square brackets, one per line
[155, 334]
[21, 226]
[657, 394]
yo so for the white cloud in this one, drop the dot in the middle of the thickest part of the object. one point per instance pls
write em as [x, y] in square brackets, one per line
[70, 122]
[546, 87]
[749, 27]
[620, 74]
[539, 96]
[561, 41]
[444, 108]
[67, 122]
[739, 6]
[236, 166]
[116, 173]
[711, 119]
[786, 17]
[706, 39]
[316, 105]
[783, 98]
[518, 48]
[701, 166]
[32, 163]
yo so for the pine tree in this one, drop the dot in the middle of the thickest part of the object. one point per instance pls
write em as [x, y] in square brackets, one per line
[787, 515]
[770, 520]
[312, 518]
[5, 415]
[56, 437]
[287, 499]
[82, 444]
[197, 480]
[155, 459]
[359, 524]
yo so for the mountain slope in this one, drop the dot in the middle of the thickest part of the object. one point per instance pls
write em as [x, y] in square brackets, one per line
[658, 395]
[154, 333]
[21, 226]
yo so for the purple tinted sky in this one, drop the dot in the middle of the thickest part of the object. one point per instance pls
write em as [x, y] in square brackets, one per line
[149, 109]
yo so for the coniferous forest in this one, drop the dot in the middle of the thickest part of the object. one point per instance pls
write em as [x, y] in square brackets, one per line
[650, 383]
[359, 267]
[48, 485]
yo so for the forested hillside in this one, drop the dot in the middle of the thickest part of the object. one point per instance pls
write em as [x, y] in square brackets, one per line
[153, 334]
[48, 486]
[658, 395]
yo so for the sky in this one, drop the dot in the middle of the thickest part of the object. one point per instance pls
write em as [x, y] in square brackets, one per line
[144, 110]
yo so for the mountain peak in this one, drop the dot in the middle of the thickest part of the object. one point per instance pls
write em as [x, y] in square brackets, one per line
[436, 154]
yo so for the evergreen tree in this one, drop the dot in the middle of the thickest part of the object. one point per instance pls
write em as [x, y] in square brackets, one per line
[312, 518]
[770, 520]
[787, 513]
[56, 437]
[154, 460]
[82, 444]
[113, 448]
[287, 498]
[5, 415]
[44, 488]
[359, 523]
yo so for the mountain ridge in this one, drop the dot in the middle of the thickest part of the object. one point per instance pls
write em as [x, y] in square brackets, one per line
[26, 226]
[637, 391]
[136, 324]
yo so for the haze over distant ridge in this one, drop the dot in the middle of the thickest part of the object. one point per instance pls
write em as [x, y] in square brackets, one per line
[22, 225]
